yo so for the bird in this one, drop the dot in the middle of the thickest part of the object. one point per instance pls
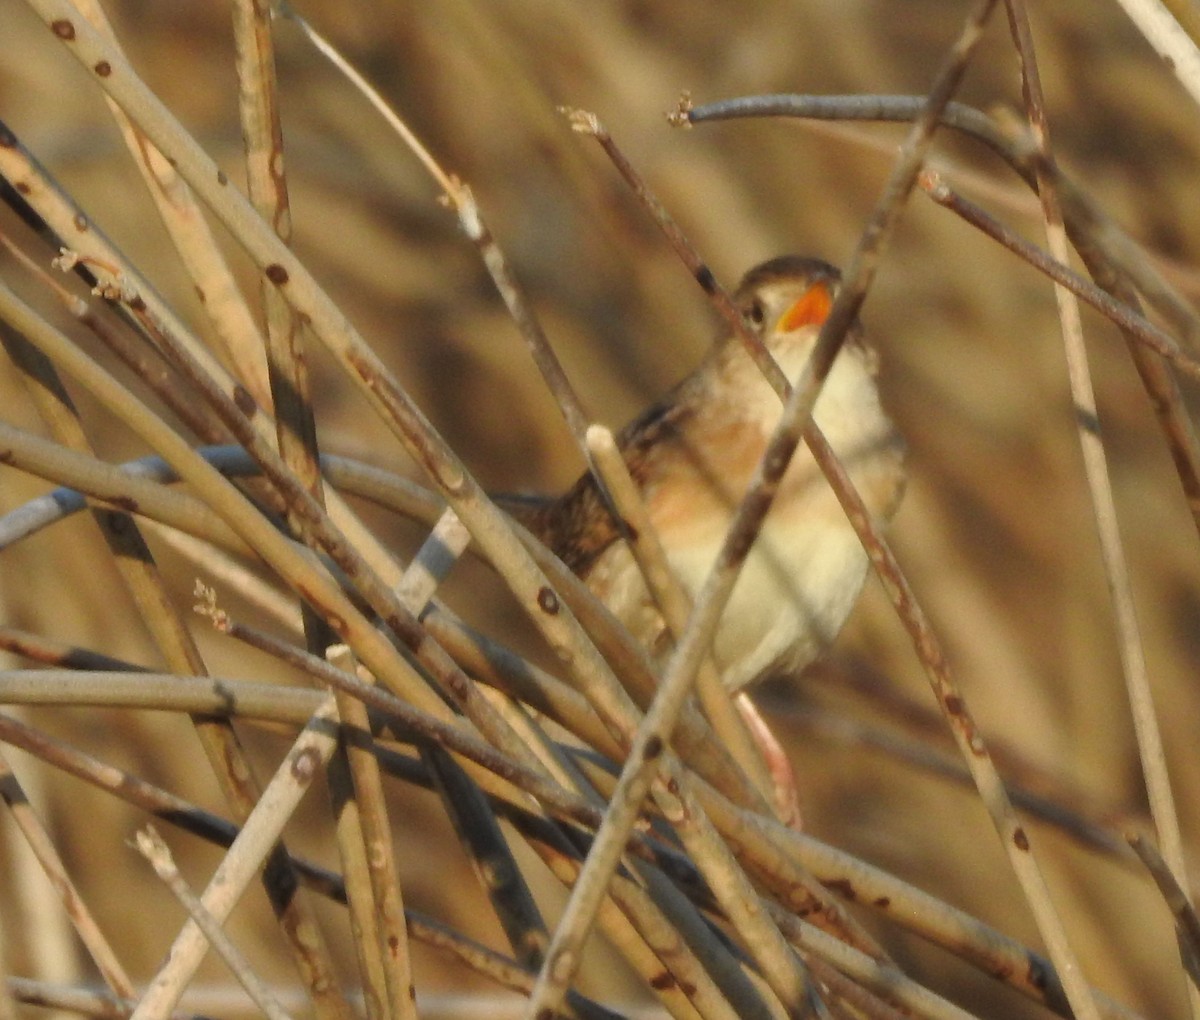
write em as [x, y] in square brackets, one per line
[692, 455]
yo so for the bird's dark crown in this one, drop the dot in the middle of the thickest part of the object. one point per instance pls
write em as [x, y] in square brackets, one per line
[787, 267]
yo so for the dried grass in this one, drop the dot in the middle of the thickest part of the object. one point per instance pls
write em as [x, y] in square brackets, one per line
[996, 537]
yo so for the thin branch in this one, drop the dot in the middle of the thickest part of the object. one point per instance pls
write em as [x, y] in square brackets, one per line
[1177, 48]
[1129, 639]
[151, 846]
[55, 870]
[1129, 319]
[1084, 216]
[1142, 336]
[280, 798]
[1187, 923]
[387, 970]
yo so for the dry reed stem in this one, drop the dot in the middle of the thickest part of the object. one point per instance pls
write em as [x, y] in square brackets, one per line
[384, 934]
[1175, 44]
[476, 825]
[280, 798]
[86, 1002]
[649, 940]
[490, 857]
[57, 653]
[924, 914]
[446, 542]
[262, 135]
[1124, 316]
[140, 574]
[352, 853]
[54, 868]
[906, 905]
[169, 808]
[88, 477]
[233, 324]
[1187, 16]
[8, 996]
[882, 977]
[1129, 639]
[291, 399]
[1088, 828]
[144, 361]
[1187, 923]
[152, 846]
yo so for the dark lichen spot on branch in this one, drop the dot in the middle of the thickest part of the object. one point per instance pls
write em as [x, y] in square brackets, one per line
[244, 401]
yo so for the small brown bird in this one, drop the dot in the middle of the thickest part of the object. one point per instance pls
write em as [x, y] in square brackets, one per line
[692, 455]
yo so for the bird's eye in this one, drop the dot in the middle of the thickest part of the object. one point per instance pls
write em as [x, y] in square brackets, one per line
[755, 314]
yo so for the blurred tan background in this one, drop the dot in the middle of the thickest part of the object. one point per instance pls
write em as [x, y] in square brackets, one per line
[996, 530]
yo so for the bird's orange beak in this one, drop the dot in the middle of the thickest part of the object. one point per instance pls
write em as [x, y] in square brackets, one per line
[810, 309]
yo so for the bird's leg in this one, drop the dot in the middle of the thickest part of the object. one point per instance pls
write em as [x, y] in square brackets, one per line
[784, 794]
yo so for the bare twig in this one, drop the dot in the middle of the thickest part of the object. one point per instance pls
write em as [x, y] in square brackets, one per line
[1084, 216]
[381, 913]
[1127, 318]
[1133, 660]
[1177, 47]
[151, 846]
[42, 845]
[307, 756]
[1187, 923]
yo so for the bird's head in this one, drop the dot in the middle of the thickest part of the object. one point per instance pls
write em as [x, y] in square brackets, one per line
[785, 295]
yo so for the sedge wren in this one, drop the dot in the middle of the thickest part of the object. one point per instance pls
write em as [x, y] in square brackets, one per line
[692, 455]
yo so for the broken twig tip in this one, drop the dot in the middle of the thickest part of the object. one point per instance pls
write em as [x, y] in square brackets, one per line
[930, 181]
[583, 121]
[681, 115]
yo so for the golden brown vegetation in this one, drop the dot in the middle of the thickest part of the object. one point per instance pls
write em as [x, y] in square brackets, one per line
[997, 534]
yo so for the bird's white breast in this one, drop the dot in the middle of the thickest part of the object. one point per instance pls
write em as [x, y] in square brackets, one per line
[804, 572]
